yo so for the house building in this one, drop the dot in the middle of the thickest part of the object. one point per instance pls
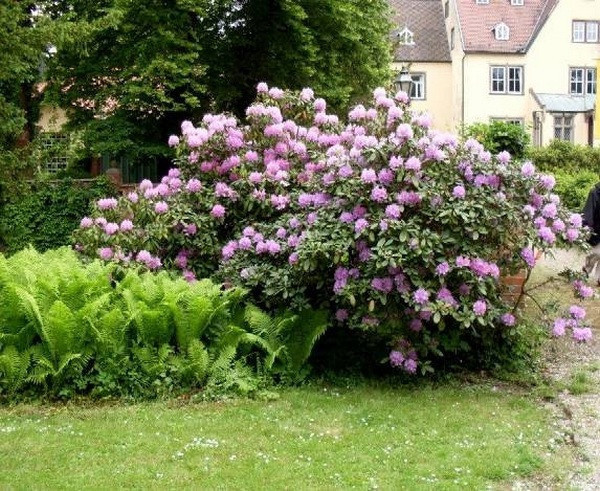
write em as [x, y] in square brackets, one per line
[422, 47]
[529, 62]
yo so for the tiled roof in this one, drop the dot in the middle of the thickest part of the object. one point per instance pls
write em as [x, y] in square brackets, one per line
[425, 19]
[478, 21]
[566, 103]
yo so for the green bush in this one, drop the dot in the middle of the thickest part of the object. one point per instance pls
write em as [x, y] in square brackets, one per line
[573, 187]
[67, 328]
[500, 136]
[45, 214]
[576, 168]
[565, 156]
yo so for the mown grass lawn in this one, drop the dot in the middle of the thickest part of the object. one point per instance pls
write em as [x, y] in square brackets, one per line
[311, 437]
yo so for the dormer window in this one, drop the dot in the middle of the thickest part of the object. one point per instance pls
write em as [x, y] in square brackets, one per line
[405, 36]
[482, 2]
[516, 2]
[502, 32]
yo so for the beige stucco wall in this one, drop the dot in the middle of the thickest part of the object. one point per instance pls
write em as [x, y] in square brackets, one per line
[438, 91]
[480, 104]
[457, 54]
[51, 119]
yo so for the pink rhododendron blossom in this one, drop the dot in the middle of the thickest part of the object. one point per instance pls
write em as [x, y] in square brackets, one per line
[559, 327]
[86, 222]
[105, 253]
[107, 203]
[368, 176]
[190, 229]
[410, 366]
[173, 141]
[480, 307]
[575, 220]
[528, 256]
[459, 192]
[379, 194]
[527, 169]
[145, 185]
[126, 226]
[218, 211]
[384, 285]
[442, 269]
[582, 334]
[360, 225]
[577, 312]
[463, 262]
[508, 319]
[572, 234]
[262, 88]
[161, 207]
[548, 181]
[392, 211]
[111, 228]
[421, 296]
[319, 105]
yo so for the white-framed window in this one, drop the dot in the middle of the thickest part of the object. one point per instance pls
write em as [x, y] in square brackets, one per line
[516, 2]
[452, 39]
[417, 89]
[591, 32]
[502, 32]
[446, 9]
[563, 127]
[54, 145]
[506, 79]
[405, 36]
[576, 81]
[590, 80]
[482, 2]
[586, 31]
[578, 31]
[582, 81]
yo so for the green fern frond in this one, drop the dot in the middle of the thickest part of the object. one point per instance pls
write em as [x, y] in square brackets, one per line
[13, 368]
[300, 336]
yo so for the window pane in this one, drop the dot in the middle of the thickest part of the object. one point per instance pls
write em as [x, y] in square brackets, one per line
[576, 81]
[578, 31]
[567, 134]
[591, 32]
[591, 81]
[417, 90]
[514, 79]
[557, 133]
[498, 75]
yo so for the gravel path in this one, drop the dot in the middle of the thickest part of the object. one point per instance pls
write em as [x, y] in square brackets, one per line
[577, 416]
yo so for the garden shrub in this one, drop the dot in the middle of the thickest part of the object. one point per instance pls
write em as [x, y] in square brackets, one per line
[67, 328]
[565, 156]
[576, 168]
[573, 186]
[500, 136]
[45, 214]
[393, 227]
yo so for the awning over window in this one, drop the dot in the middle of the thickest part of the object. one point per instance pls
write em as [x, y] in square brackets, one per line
[565, 103]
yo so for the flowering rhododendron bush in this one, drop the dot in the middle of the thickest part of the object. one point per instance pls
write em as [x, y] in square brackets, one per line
[389, 224]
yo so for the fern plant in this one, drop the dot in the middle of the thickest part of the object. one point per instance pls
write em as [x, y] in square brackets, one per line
[67, 327]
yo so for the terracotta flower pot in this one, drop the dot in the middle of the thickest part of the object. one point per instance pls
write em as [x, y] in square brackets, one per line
[512, 286]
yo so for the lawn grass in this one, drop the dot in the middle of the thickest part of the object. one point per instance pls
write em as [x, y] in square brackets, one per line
[317, 437]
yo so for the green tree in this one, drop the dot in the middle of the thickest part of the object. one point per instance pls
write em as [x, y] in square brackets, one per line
[130, 72]
[340, 48]
[23, 43]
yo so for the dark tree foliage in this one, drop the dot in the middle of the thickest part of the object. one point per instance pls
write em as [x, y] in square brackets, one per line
[22, 43]
[130, 72]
